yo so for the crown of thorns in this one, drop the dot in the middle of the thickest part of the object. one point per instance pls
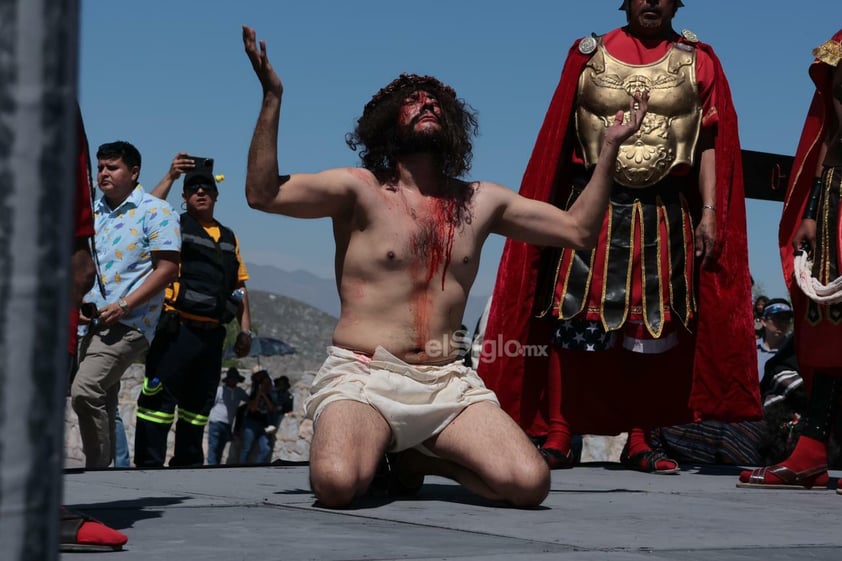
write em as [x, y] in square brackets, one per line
[409, 81]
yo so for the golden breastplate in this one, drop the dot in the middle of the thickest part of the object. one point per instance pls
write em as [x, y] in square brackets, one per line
[667, 138]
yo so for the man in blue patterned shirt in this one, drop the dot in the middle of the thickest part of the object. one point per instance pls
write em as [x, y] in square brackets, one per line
[137, 245]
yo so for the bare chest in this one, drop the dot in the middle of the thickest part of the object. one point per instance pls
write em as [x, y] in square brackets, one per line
[429, 237]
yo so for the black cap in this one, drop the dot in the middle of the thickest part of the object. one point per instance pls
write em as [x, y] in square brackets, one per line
[777, 307]
[234, 373]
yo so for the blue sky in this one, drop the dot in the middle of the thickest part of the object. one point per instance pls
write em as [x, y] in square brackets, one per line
[172, 76]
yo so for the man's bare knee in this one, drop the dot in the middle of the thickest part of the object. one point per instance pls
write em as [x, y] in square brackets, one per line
[349, 439]
[531, 484]
[527, 484]
[333, 494]
[335, 483]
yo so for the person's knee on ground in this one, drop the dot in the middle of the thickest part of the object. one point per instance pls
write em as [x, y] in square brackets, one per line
[336, 482]
[521, 479]
[491, 456]
[525, 484]
[349, 440]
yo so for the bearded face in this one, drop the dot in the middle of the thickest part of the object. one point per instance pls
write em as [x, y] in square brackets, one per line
[415, 114]
[420, 123]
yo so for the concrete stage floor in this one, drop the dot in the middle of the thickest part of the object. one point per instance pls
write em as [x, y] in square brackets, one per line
[594, 512]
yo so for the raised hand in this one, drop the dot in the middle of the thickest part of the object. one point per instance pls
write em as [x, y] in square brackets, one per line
[260, 62]
[621, 129]
[180, 164]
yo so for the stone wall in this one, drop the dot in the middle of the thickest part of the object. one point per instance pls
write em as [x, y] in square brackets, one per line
[292, 441]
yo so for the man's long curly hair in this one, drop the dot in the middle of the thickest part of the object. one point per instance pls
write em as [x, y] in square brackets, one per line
[379, 136]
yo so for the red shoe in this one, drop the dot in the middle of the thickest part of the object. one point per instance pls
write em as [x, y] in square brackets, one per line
[815, 477]
[647, 462]
[81, 533]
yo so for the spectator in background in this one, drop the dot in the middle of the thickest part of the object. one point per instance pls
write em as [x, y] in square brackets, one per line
[260, 414]
[229, 395]
[122, 458]
[282, 398]
[185, 360]
[776, 325]
[759, 304]
[137, 245]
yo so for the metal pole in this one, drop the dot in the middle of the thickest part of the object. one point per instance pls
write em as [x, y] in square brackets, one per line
[38, 69]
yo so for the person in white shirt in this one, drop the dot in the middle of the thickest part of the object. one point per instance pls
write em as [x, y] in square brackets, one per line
[229, 395]
[776, 322]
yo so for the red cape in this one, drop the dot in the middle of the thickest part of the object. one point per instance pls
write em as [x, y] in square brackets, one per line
[798, 191]
[83, 212]
[724, 382]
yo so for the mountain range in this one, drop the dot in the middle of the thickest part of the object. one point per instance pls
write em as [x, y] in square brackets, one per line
[302, 326]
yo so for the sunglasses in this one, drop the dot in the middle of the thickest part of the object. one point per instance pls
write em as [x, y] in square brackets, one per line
[195, 188]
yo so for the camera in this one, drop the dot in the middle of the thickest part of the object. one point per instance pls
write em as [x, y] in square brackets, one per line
[89, 310]
[202, 174]
[203, 165]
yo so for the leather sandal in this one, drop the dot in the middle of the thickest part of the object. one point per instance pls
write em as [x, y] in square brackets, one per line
[106, 538]
[647, 462]
[556, 459]
[813, 478]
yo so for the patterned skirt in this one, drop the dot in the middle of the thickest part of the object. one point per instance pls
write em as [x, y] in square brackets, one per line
[639, 277]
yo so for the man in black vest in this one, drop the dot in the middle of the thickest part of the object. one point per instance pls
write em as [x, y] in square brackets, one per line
[185, 360]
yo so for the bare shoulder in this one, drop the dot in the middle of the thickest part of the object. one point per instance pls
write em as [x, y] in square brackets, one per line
[341, 182]
[351, 177]
[331, 192]
[490, 201]
[366, 183]
[362, 175]
[490, 193]
[490, 186]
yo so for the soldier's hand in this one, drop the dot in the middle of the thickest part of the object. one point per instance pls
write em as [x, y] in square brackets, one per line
[706, 236]
[805, 237]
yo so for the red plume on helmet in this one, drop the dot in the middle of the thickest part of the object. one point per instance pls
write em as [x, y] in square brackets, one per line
[625, 6]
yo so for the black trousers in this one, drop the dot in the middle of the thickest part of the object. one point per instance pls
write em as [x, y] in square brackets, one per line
[182, 371]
